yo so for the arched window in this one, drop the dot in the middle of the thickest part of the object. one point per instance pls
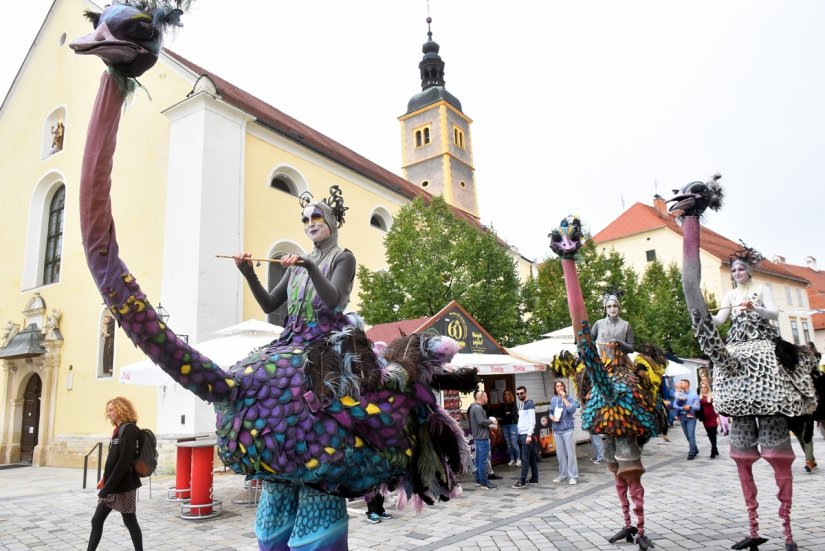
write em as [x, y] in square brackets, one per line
[44, 232]
[381, 219]
[422, 135]
[54, 237]
[284, 184]
[287, 179]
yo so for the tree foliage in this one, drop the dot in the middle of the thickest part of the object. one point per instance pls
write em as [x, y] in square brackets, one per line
[654, 303]
[435, 257]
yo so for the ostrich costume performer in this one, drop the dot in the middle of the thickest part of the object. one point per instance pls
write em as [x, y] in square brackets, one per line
[315, 414]
[759, 381]
[620, 407]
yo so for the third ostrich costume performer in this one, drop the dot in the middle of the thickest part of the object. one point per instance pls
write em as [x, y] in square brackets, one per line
[761, 382]
[315, 414]
[620, 407]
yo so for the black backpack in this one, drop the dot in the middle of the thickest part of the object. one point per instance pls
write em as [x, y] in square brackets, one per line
[146, 456]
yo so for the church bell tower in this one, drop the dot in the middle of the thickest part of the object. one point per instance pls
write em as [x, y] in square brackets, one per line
[436, 146]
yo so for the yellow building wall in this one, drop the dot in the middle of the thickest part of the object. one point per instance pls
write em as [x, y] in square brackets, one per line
[54, 76]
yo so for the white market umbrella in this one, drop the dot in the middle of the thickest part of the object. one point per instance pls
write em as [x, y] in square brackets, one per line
[231, 345]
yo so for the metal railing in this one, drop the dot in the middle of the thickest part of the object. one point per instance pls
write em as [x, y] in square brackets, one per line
[99, 448]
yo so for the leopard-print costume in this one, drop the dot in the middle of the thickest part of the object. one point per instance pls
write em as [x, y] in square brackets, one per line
[747, 378]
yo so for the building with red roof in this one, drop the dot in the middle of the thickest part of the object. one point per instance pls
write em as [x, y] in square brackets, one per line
[815, 332]
[644, 233]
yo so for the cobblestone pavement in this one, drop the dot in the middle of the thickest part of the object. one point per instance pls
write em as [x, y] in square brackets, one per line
[690, 505]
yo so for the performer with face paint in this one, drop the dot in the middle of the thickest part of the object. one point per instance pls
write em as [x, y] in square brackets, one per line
[316, 285]
[315, 414]
[316, 289]
[761, 382]
[612, 328]
[747, 301]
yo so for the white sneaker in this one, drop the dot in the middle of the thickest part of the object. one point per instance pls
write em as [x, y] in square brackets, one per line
[573, 482]
[518, 462]
[511, 463]
[559, 479]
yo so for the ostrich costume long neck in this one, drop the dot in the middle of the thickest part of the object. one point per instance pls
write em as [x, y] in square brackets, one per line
[619, 407]
[283, 414]
[761, 382]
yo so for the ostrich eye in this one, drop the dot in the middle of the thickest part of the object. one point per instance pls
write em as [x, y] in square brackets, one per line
[142, 30]
[555, 236]
[576, 235]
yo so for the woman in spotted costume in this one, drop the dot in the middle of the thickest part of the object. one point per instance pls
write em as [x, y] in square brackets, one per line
[759, 381]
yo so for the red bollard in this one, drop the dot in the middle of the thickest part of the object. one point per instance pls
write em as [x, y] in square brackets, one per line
[202, 463]
[183, 475]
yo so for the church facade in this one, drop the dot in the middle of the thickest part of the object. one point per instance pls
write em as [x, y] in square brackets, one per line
[202, 169]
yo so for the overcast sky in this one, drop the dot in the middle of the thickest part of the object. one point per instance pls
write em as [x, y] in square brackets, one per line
[578, 107]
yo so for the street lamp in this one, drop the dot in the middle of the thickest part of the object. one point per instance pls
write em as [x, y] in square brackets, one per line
[163, 315]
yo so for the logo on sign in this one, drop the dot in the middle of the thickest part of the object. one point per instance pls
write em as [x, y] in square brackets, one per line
[456, 327]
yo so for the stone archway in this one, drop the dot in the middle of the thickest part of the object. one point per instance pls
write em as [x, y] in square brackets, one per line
[29, 362]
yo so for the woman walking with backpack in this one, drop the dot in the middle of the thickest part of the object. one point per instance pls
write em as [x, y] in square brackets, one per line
[118, 487]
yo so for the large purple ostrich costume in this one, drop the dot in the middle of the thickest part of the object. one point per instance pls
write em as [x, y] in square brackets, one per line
[315, 414]
[620, 407]
[759, 381]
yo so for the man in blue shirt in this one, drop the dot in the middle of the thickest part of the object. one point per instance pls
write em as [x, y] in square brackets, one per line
[686, 404]
[480, 429]
[526, 426]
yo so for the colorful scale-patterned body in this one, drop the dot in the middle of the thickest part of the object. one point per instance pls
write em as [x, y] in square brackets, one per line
[619, 406]
[270, 424]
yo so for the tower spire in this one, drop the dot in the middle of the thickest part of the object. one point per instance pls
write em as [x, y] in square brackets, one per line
[431, 66]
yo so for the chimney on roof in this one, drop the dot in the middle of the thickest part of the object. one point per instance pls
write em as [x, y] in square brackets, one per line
[811, 263]
[660, 205]
[778, 259]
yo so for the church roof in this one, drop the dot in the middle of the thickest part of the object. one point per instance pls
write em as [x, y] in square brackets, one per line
[640, 218]
[281, 123]
[430, 96]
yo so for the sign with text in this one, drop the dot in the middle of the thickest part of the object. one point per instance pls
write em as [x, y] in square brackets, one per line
[465, 332]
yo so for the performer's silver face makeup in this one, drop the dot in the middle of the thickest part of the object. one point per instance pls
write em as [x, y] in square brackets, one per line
[314, 225]
[739, 273]
[612, 309]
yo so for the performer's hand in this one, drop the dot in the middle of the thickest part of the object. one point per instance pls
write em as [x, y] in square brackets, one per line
[240, 258]
[100, 484]
[291, 260]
